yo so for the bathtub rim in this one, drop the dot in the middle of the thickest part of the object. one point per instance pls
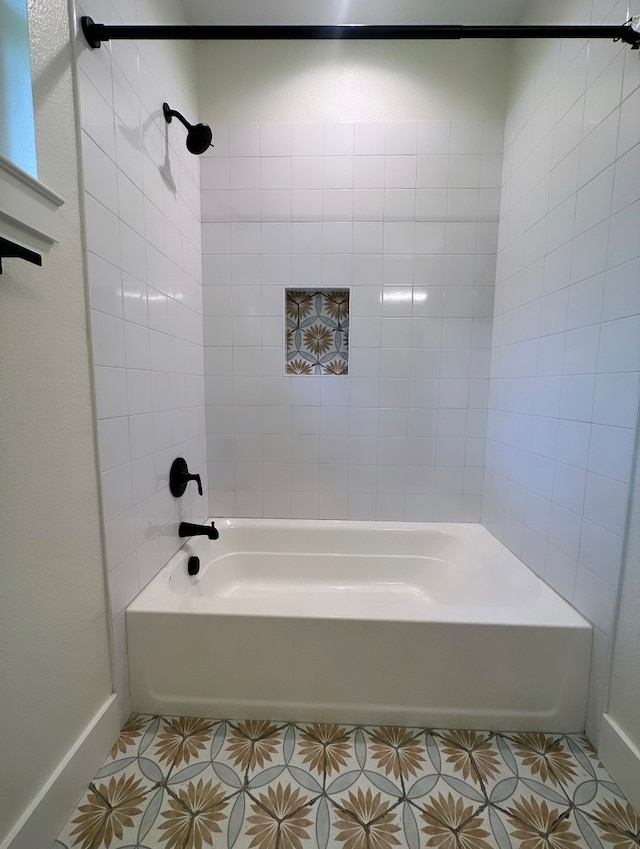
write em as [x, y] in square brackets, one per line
[550, 610]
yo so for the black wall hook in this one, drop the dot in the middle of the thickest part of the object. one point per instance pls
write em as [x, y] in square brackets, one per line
[14, 250]
[179, 477]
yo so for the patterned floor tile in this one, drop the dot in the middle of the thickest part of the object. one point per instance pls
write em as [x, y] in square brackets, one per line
[184, 783]
[448, 818]
[325, 750]
[477, 759]
[559, 761]
[529, 820]
[188, 813]
[612, 820]
[251, 746]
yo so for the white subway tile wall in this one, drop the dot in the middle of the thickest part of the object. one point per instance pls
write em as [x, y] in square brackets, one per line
[142, 213]
[405, 214]
[566, 336]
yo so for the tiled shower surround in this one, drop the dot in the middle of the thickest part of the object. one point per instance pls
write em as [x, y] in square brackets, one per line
[142, 213]
[566, 344]
[185, 783]
[405, 216]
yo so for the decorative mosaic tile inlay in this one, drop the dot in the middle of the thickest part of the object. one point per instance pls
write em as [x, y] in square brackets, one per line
[317, 331]
[184, 783]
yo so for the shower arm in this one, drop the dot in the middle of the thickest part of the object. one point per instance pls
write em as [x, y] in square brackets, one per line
[172, 113]
[95, 33]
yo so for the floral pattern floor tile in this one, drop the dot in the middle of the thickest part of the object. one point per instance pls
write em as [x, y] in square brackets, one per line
[185, 783]
[317, 331]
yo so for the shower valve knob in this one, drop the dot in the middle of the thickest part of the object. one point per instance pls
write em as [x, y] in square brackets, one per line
[179, 477]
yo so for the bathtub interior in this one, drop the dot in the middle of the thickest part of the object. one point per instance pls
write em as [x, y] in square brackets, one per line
[363, 569]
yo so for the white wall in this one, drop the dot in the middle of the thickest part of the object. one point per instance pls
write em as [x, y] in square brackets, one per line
[620, 744]
[54, 655]
[625, 682]
[142, 213]
[351, 81]
[381, 176]
[566, 345]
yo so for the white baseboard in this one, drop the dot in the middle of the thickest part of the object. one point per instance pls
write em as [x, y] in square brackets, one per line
[621, 757]
[40, 824]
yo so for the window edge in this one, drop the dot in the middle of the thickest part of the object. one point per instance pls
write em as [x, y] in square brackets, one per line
[27, 204]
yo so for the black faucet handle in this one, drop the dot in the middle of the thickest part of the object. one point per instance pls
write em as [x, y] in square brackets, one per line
[179, 477]
[196, 478]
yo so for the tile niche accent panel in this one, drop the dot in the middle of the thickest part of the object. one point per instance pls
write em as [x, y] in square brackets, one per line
[317, 331]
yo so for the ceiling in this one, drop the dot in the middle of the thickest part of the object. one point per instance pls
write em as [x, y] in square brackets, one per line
[354, 11]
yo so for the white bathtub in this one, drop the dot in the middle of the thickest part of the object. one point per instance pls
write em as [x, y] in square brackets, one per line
[359, 622]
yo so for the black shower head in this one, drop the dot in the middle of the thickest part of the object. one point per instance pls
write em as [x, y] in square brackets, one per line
[199, 138]
[198, 135]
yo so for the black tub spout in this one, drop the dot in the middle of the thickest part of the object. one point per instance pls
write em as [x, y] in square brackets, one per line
[186, 529]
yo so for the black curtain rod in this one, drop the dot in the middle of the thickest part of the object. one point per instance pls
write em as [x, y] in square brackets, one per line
[95, 33]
